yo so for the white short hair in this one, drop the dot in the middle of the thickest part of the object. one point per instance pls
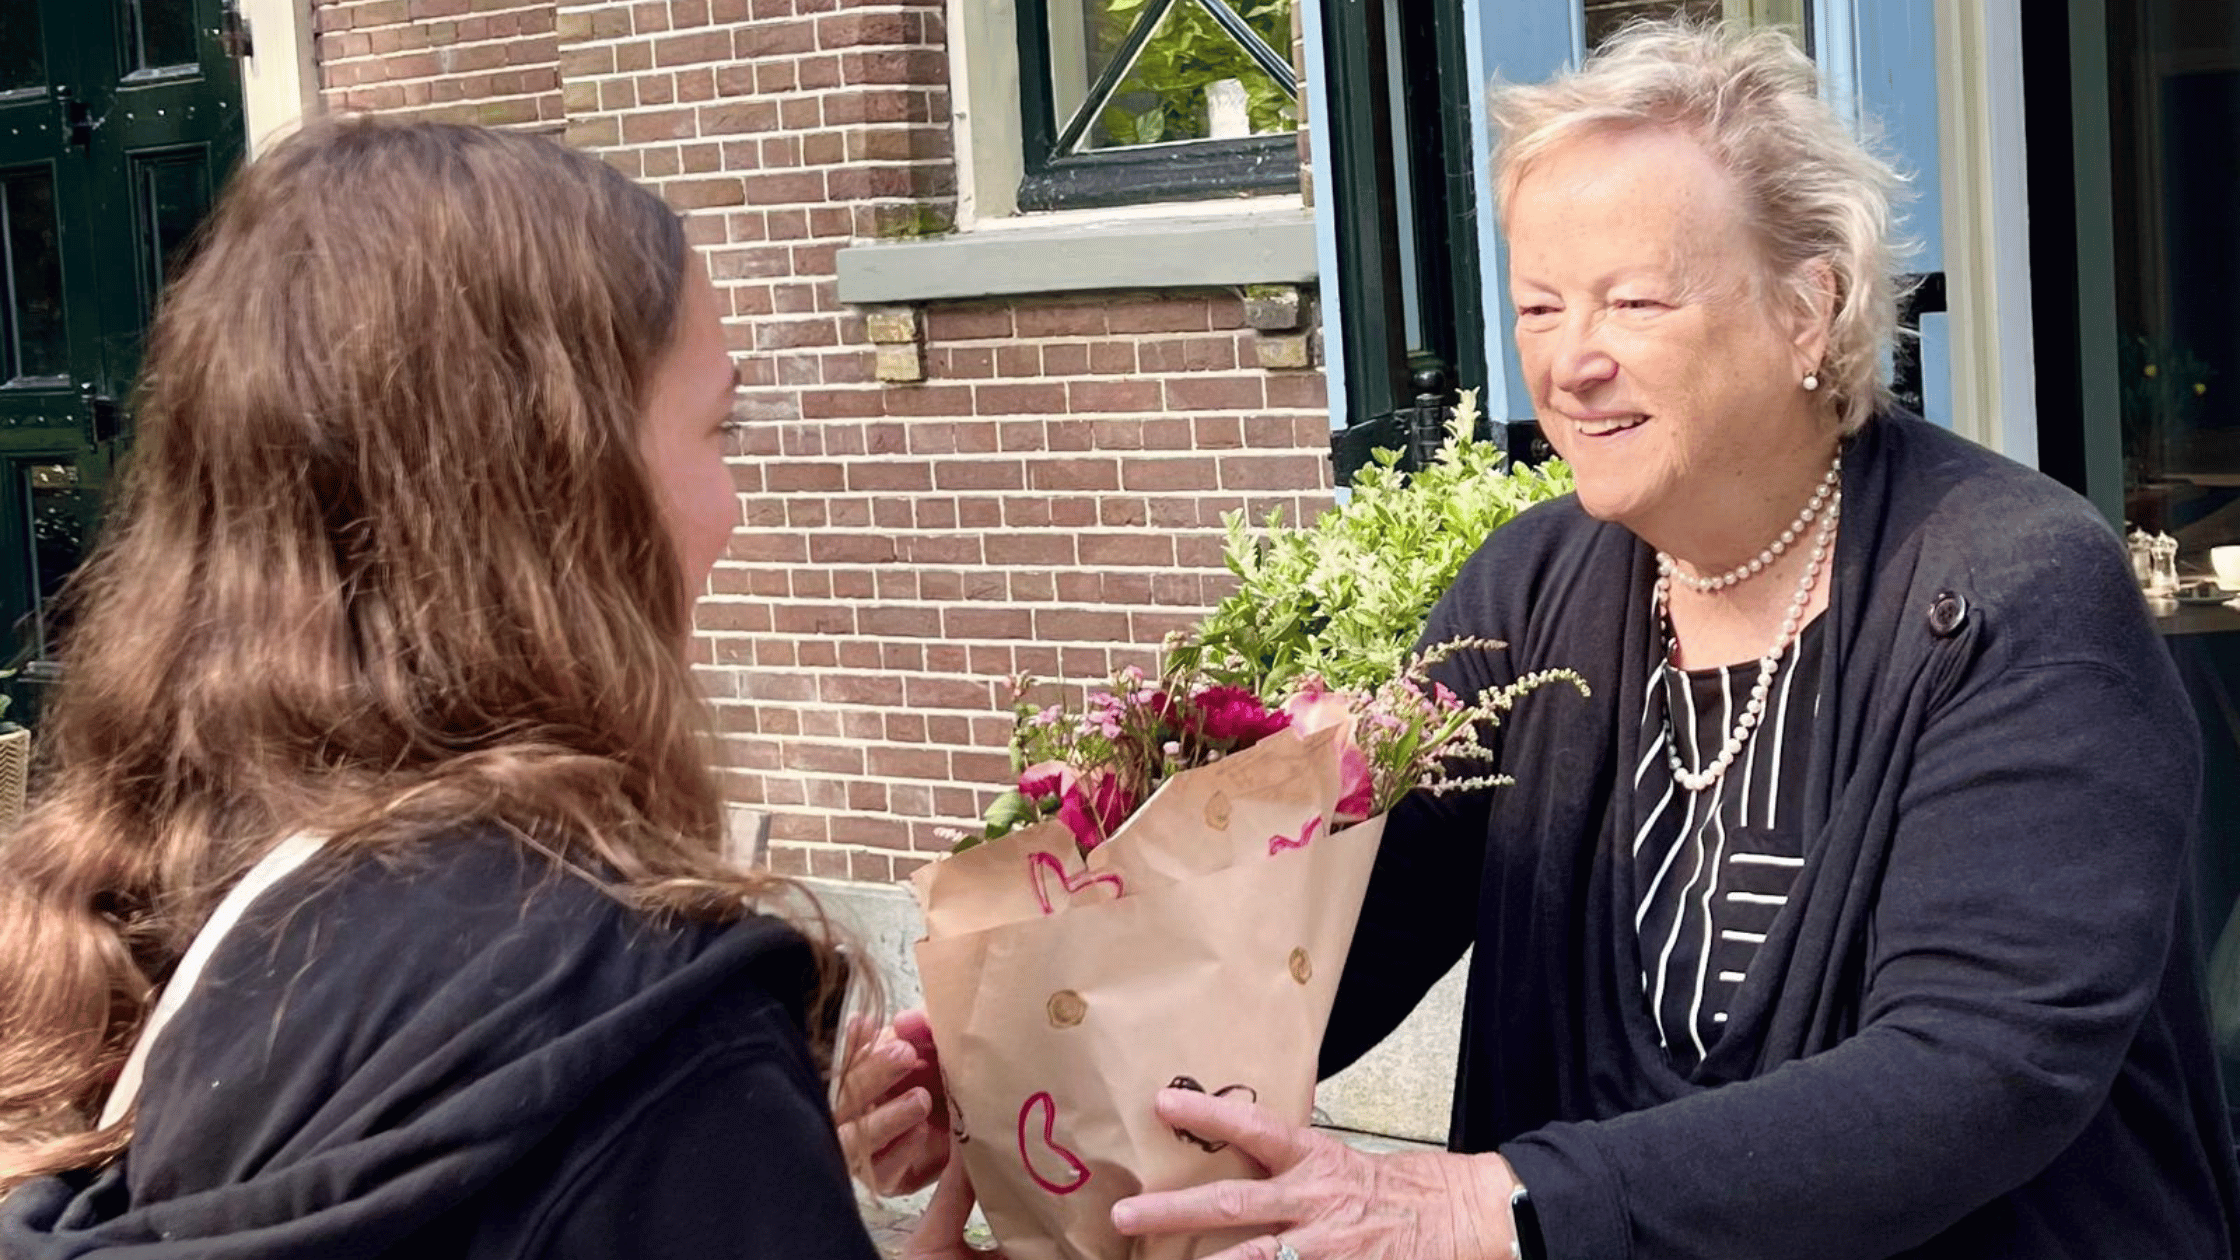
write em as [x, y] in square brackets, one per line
[1814, 193]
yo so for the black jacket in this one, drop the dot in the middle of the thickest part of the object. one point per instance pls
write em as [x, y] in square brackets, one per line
[1972, 1031]
[461, 1053]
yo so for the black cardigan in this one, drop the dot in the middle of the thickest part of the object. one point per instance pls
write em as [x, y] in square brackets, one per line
[461, 1053]
[1972, 1031]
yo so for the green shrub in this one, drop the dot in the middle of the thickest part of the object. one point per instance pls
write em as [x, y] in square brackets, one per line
[1347, 596]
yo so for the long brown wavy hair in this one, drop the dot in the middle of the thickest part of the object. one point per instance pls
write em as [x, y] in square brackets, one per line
[385, 559]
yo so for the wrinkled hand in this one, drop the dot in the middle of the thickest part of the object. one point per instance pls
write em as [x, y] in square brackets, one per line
[940, 1232]
[1325, 1199]
[894, 1118]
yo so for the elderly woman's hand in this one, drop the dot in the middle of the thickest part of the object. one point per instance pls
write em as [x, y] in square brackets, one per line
[1325, 1200]
[940, 1234]
[893, 1117]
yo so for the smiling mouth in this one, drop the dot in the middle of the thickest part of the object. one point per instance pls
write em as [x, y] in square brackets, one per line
[1607, 426]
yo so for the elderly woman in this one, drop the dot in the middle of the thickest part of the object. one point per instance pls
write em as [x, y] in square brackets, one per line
[1845, 919]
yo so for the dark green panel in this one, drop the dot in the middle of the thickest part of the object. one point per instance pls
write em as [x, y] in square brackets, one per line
[173, 195]
[63, 512]
[38, 343]
[23, 62]
[160, 34]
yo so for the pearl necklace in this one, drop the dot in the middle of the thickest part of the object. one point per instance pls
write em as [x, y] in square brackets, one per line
[1764, 559]
[1754, 712]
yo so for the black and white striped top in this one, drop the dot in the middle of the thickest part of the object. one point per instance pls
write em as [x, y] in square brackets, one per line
[1714, 867]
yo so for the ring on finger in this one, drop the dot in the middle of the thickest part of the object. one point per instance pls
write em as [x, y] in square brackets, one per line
[1285, 1251]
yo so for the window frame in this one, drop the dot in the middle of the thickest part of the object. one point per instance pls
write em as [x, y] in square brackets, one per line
[1196, 170]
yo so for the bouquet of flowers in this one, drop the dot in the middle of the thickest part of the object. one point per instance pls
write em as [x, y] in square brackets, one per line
[1166, 899]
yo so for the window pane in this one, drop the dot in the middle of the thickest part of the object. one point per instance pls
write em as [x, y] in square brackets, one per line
[1270, 18]
[163, 33]
[2174, 102]
[1191, 80]
[174, 195]
[37, 345]
[63, 513]
[1606, 17]
[22, 64]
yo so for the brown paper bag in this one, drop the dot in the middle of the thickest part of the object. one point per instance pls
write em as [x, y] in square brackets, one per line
[1199, 947]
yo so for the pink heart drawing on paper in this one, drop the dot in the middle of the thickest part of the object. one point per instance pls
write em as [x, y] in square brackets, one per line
[1042, 866]
[1077, 1173]
[1284, 844]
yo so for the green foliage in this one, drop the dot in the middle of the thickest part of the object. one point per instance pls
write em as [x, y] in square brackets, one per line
[1163, 97]
[1346, 597]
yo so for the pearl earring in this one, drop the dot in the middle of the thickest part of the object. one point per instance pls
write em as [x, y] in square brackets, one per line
[1811, 382]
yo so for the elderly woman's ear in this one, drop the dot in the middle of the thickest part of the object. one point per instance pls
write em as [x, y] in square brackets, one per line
[1813, 316]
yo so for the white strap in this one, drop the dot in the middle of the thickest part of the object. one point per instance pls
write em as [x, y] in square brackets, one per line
[275, 866]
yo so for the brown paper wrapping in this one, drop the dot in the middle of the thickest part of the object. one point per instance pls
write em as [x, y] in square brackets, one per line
[1203, 941]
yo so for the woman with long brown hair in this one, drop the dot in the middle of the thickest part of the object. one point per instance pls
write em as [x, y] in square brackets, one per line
[429, 472]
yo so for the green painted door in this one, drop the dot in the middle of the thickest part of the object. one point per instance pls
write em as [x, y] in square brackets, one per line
[119, 119]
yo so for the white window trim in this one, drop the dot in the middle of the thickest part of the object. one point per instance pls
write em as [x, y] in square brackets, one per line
[1986, 224]
[996, 250]
[280, 83]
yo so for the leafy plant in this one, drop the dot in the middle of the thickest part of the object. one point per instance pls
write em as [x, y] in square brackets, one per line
[1163, 96]
[1345, 598]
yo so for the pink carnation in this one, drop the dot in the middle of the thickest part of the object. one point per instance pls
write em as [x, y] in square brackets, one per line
[1046, 779]
[1224, 714]
[1095, 814]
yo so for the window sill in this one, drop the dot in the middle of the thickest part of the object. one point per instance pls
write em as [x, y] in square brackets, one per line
[1087, 251]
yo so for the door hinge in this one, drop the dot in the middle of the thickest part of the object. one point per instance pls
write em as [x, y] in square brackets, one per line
[234, 34]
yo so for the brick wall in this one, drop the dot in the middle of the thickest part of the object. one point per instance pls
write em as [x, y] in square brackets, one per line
[493, 62]
[1047, 499]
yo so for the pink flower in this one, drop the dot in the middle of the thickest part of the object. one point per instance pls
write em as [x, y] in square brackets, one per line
[1313, 710]
[1095, 814]
[1357, 789]
[1224, 714]
[1046, 779]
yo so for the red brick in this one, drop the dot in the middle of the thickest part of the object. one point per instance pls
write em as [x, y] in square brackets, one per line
[1073, 474]
[1215, 393]
[649, 128]
[980, 474]
[946, 693]
[1083, 320]
[1124, 549]
[849, 688]
[907, 763]
[1272, 472]
[1080, 625]
[1040, 399]
[987, 623]
[1113, 396]
[967, 323]
[1029, 549]
[851, 549]
[1168, 474]
[1170, 315]
[884, 475]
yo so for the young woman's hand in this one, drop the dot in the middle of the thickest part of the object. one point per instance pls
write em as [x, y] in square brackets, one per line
[893, 1114]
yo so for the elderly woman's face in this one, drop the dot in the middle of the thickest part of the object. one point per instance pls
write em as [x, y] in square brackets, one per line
[1658, 367]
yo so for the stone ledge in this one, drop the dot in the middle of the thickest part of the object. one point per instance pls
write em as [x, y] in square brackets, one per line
[1196, 250]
